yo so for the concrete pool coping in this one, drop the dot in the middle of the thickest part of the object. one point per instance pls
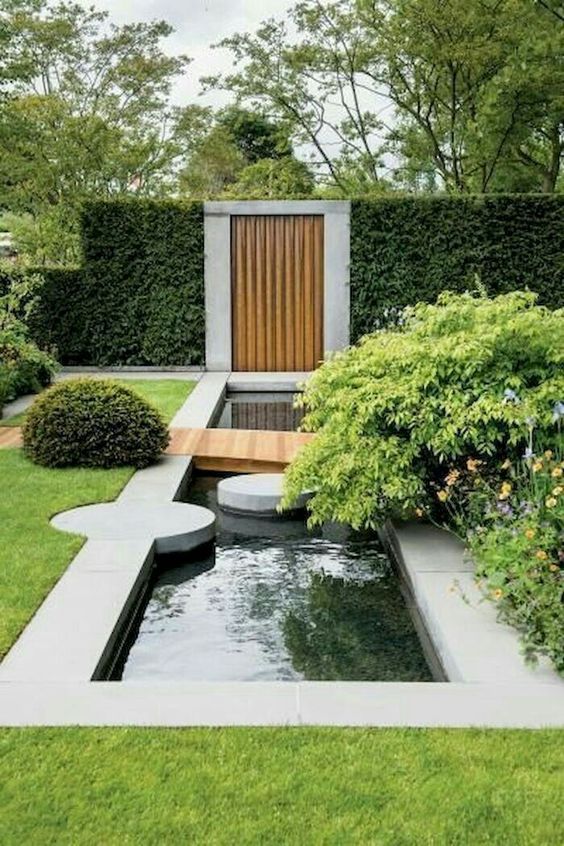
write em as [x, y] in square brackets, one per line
[46, 677]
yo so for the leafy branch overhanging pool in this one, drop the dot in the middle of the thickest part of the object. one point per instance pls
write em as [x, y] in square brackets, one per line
[272, 600]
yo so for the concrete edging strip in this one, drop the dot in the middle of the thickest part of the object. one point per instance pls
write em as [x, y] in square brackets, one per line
[78, 621]
[45, 678]
[471, 644]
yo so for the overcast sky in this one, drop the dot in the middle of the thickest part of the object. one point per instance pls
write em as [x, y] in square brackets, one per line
[198, 23]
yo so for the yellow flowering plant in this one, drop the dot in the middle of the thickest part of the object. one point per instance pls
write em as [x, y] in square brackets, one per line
[518, 548]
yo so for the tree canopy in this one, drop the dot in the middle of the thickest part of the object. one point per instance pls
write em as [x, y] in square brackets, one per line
[429, 93]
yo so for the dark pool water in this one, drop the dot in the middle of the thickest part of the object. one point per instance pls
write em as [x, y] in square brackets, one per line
[273, 601]
[272, 411]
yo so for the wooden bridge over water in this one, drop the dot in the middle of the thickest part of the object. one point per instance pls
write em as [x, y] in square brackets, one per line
[223, 450]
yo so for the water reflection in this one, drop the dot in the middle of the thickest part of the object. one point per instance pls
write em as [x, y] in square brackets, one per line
[273, 601]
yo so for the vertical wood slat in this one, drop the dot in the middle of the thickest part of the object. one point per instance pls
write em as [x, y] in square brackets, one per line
[277, 291]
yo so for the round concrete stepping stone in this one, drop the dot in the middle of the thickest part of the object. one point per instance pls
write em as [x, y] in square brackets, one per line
[256, 493]
[174, 526]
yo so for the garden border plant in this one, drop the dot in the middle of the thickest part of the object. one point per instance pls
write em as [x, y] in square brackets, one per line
[401, 417]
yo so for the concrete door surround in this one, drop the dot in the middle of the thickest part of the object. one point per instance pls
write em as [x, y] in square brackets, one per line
[217, 269]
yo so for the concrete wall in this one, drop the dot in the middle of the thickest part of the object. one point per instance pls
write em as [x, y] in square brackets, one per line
[336, 317]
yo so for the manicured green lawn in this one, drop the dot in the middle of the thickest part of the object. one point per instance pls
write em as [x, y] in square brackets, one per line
[281, 787]
[167, 394]
[32, 554]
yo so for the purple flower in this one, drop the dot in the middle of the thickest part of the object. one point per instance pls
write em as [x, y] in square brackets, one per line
[505, 509]
[557, 411]
[525, 507]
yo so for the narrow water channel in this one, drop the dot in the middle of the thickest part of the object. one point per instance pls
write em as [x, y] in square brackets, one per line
[274, 601]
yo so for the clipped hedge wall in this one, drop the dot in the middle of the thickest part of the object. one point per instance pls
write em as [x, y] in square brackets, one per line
[139, 298]
[408, 249]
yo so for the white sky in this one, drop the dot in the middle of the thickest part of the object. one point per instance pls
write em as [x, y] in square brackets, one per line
[198, 23]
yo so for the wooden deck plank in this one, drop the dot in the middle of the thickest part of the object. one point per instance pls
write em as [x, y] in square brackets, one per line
[238, 449]
[10, 437]
[229, 450]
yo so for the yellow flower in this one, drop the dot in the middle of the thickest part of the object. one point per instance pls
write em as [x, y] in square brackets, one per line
[506, 464]
[550, 501]
[497, 594]
[530, 533]
[537, 466]
[452, 477]
[554, 567]
[557, 472]
[443, 496]
[506, 488]
[548, 454]
[473, 463]
[541, 555]
[419, 512]
[557, 490]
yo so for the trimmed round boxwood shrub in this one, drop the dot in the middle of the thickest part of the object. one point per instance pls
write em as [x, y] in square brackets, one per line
[93, 423]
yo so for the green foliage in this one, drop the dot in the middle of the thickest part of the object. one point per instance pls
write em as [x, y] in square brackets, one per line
[273, 179]
[238, 153]
[255, 136]
[93, 423]
[24, 368]
[394, 411]
[88, 115]
[467, 97]
[139, 298]
[407, 249]
[517, 546]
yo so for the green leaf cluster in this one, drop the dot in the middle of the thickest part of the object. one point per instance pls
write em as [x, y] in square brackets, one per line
[519, 556]
[391, 413]
[407, 249]
[139, 297]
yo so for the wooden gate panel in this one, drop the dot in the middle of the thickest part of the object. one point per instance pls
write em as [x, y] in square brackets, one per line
[277, 291]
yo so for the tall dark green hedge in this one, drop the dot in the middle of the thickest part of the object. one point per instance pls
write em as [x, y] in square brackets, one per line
[408, 249]
[139, 298]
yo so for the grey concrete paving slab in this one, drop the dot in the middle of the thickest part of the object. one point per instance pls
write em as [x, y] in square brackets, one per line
[102, 556]
[250, 382]
[428, 548]
[114, 704]
[282, 703]
[141, 372]
[69, 633]
[162, 481]
[471, 644]
[254, 493]
[173, 526]
[17, 406]
[431, 704]
[203, 404]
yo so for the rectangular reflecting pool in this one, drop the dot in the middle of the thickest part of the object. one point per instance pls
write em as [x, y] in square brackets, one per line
[266, 411]
[274, 601]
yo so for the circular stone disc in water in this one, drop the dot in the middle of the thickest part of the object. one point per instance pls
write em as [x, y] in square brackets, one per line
[256, 493]
[174, 526]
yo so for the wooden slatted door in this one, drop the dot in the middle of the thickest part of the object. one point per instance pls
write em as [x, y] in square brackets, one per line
[277, 291]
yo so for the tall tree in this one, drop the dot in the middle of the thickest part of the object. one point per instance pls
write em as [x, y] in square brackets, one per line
[467, 96]
[87, 111]
[233, 143]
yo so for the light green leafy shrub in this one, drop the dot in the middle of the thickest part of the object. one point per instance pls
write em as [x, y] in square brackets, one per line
[458, 379]
[93, 423]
